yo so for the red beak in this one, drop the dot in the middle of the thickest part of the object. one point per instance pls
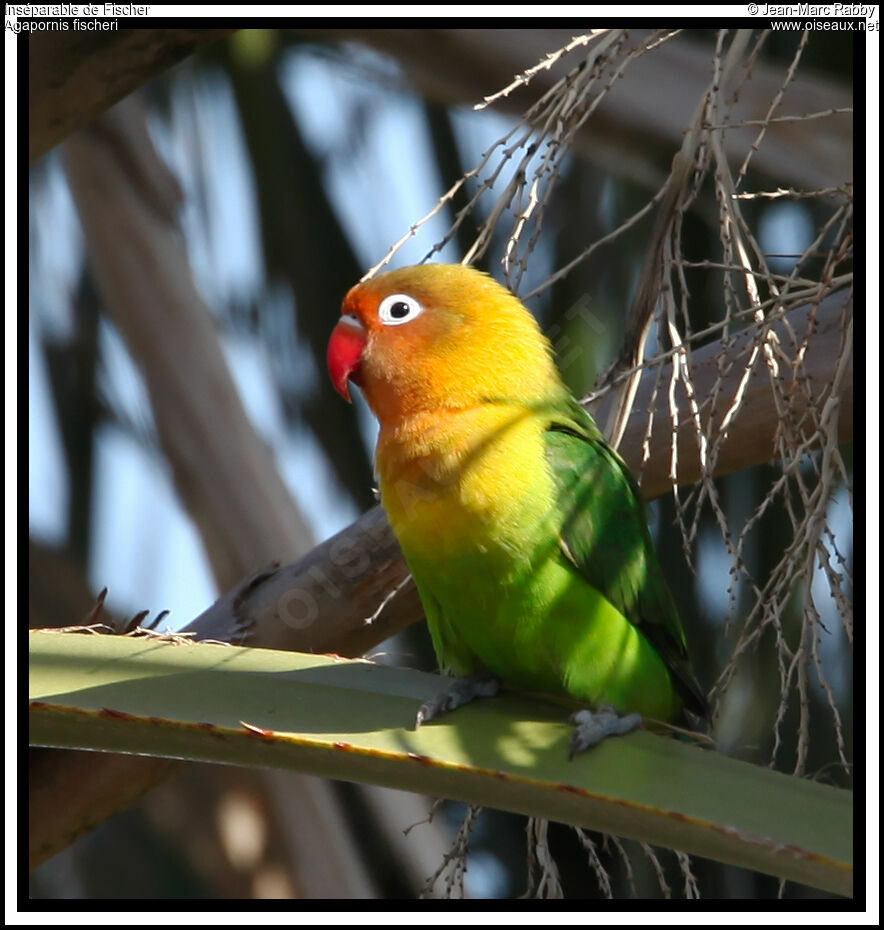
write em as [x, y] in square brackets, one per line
[345, 353]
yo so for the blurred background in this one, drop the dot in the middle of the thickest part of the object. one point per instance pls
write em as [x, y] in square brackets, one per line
[301, 157]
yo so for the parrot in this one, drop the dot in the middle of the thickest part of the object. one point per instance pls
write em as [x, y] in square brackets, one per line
[523, 529]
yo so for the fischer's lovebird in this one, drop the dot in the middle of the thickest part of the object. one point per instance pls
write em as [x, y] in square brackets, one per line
[524, 531]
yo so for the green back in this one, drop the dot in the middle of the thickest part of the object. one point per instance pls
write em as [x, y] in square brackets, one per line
[605, 536]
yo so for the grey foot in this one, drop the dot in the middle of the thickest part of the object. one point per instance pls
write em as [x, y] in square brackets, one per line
[461, 691]
[595, 726]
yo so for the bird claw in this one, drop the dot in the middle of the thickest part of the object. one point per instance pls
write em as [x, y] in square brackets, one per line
[595, 726]
[461, 691]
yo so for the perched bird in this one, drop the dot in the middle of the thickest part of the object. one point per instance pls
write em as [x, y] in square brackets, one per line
[523, 529]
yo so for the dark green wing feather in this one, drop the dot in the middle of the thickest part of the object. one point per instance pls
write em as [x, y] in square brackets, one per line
[604, 534]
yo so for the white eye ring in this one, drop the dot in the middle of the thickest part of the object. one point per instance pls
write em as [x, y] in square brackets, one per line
[398, 309]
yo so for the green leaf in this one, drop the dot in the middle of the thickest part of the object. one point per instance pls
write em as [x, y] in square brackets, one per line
[352, 720]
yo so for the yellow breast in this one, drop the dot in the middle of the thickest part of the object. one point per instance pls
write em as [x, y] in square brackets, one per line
[468, 480]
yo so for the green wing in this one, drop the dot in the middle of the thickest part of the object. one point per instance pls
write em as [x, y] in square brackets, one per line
[604, 535]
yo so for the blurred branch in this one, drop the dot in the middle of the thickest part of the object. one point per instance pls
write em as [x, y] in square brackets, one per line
[72, 368]
[653, 104]
[72, 792]
[304, 246]
[809, 339]
[325, 599]
[74, 76]
[67, 599]
[224, 472]
[673, 198]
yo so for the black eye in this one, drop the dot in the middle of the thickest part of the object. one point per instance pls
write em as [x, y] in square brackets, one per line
[398, 308]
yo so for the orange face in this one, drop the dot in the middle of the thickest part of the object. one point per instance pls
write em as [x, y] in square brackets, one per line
[432, 337]
[385, 336]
